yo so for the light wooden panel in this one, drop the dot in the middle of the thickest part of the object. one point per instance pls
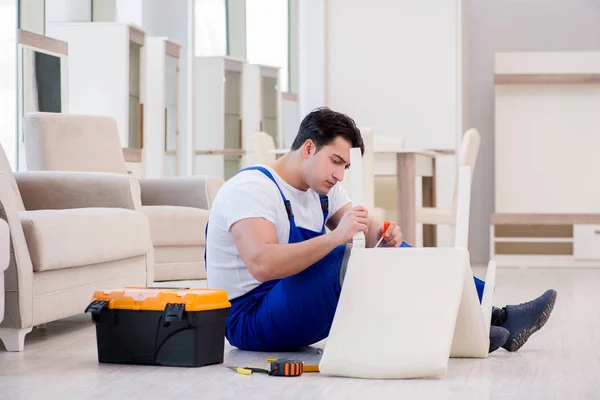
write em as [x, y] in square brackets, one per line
[506, 79]
[525, 231]
[43, 42]
[534, 248]
[546, 219]
[132, 155]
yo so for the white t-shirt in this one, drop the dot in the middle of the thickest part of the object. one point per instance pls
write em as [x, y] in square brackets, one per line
[252, 194]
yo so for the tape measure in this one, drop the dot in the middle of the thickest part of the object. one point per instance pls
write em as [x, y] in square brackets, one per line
[279, 367]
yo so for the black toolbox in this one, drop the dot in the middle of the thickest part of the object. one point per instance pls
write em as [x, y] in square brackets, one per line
[151, 326]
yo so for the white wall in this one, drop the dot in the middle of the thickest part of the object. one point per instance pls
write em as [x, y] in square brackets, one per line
[311, 45]
[501, 26]
[395, 66]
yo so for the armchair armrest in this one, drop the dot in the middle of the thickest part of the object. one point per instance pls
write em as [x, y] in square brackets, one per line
[19, 275]
[188, 191]
[45, 190]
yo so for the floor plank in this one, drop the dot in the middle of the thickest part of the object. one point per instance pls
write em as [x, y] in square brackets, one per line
[559, 362]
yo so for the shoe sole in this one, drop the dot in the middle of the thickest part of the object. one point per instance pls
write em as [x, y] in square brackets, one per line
[524, 335]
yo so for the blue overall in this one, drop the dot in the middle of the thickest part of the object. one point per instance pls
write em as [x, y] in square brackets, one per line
[297, 311]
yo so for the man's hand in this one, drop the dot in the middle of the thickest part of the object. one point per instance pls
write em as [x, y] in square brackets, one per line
[393, 236]
[355, 220]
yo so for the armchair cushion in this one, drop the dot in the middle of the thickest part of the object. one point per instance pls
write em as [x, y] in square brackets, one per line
[190, 191]
[69, 238]
[61, 190]
[177, 226]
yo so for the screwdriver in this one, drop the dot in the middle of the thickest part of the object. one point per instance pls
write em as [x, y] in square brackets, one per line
[386, 225]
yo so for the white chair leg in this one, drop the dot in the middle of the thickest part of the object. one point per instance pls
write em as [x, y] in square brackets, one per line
[14, 339]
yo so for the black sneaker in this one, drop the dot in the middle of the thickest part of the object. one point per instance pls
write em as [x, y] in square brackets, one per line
[525, 319]
[498, 337]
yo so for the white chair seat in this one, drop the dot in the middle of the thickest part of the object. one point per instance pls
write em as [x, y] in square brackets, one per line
[435, 216]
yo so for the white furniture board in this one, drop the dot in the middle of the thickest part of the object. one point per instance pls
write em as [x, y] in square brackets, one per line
[397, 313]
[547, 136]
[154, 116]
[209, 100]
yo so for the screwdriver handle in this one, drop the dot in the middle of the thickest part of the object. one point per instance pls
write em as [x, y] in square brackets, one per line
[386, 225]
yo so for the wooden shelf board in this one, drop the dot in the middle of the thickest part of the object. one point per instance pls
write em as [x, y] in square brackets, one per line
[511, 79]
[533, 248]
[132, 155]
[544, 219]
[532, 240]
[222, 152]
[37, 41]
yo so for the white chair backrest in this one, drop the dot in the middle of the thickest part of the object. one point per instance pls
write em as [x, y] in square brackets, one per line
[368, 172]
[467, 156]
[469, 148]
[262, 144]
[463, 208]
[356, 194]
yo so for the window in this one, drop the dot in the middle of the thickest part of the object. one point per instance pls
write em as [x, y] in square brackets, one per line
[210, 28]
[267, 35]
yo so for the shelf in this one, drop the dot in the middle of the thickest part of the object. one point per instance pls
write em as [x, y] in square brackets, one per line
[516, 79]
[41, 42]
[544, 219]
[132, 155]
[532, 240]
[533, 248]
[223, 152]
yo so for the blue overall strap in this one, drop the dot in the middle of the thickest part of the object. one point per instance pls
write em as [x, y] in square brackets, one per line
[324, 207]
[288, 205]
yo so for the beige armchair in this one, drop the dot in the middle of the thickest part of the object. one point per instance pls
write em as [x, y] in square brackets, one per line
[4, 259]
[178, 208]
[71, 234]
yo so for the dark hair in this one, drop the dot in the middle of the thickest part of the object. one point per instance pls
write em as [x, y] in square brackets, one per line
[322, 125]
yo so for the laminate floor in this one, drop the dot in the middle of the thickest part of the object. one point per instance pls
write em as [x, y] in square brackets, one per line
[562, 361]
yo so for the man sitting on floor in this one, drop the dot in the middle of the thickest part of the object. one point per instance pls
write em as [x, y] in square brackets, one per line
[266, 245]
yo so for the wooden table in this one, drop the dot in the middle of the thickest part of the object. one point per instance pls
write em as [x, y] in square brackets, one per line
[408, 164]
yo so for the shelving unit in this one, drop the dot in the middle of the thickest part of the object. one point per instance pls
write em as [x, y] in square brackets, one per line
[43, 76]
[546, 240]
[546, 142]
[271, 104]
[162, 118]
[106, 67]
[220, 114]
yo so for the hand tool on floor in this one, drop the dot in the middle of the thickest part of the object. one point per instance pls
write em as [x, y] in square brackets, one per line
[305, 368]
[278, 367]
[386, 225]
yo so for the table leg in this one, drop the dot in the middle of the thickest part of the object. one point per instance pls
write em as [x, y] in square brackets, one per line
[429, 231]
[405, 199]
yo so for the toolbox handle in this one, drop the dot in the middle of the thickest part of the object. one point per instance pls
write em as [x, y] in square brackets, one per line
[96, 306]
[173, 312]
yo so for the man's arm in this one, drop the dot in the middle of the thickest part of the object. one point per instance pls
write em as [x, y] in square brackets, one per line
[266, 259]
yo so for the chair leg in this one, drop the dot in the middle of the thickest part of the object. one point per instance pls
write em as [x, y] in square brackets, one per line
[14, 339]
